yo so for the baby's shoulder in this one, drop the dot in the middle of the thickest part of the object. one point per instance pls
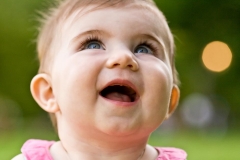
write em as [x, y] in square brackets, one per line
[171, 153]
[19, 157]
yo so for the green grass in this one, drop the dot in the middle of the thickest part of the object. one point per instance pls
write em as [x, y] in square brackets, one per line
[198, 146]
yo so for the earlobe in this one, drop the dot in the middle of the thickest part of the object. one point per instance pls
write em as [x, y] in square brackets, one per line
[174, 100]
[41, 90]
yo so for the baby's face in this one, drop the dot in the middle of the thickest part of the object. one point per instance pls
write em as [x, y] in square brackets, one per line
[112, 73]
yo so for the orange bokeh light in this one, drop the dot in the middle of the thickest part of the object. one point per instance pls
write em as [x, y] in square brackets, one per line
[217, 56]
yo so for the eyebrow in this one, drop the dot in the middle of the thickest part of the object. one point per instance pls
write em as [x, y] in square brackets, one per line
[155, 39]
[89, 32]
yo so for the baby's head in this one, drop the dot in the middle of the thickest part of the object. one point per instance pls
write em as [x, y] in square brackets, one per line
[106, 60]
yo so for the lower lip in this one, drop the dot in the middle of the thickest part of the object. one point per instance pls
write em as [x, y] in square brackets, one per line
[120, 103]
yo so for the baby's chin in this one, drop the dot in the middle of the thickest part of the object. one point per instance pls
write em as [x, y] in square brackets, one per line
[118, 130]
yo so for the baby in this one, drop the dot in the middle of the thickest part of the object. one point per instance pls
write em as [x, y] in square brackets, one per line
[108, 80]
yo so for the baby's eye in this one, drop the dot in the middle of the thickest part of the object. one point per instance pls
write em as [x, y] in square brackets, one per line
[143, 49]
[94, 45]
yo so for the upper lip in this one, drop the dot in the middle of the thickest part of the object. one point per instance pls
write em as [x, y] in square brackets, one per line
[121, 82]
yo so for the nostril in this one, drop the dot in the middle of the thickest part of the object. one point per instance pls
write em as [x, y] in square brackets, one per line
[130, 66]
[116, 64]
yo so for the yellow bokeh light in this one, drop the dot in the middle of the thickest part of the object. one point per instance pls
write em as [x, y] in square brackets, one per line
[217, 56]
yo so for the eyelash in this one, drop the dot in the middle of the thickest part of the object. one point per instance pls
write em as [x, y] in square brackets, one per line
[96, 38]
[150, 45]
[89, 39]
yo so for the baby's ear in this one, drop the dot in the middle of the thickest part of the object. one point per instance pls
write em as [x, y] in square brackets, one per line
[41, 90]
[174, 100]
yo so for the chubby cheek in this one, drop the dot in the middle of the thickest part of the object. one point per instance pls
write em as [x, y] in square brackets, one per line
[74, 85]
[157, 87]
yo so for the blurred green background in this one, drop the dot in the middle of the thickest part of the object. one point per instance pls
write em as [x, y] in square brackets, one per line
[206, 124]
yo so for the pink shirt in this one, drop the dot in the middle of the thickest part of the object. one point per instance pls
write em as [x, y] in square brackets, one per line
[39, 150]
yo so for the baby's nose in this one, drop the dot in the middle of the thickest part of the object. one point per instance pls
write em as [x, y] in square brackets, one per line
[122, 59]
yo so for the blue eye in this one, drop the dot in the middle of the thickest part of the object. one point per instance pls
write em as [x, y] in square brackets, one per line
[142, 49]
[93, 45]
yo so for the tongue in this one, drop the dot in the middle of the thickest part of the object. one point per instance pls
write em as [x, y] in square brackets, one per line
[116, 96]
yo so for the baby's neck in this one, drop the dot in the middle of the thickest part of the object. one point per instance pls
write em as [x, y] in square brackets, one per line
[110, 148]
[100, 154]
[59, 153]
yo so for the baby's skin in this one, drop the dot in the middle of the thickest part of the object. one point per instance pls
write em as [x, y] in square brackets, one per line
[110, 83]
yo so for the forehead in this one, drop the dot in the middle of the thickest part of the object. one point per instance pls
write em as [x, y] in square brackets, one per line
[84, 17]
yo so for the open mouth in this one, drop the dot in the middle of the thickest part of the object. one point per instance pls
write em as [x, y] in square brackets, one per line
[119, 93]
